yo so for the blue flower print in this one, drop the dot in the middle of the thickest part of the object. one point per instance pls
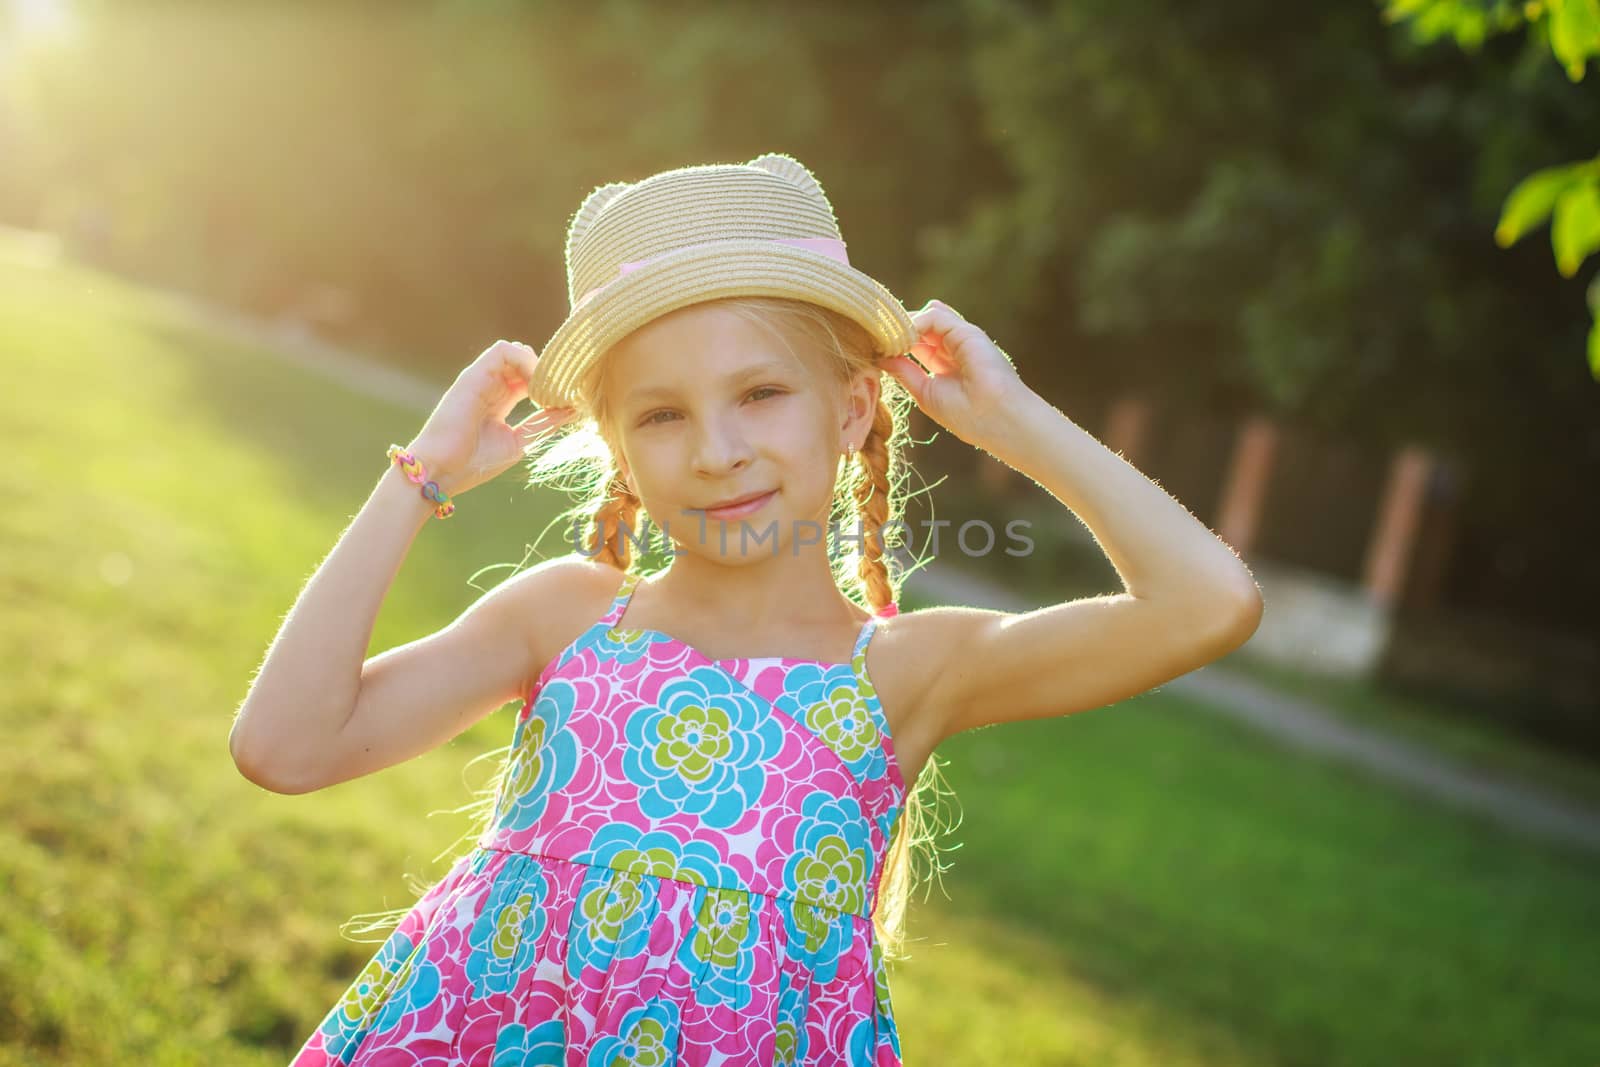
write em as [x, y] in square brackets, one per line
[610, 919]
[700, 748]
[884, 1006]
[835, 709]
[861, 1043]
[886, 820]
[544, 1045]
[659, 854]
[832, 861]
[648, 1037]
[828, 877]
[505, 936]
[417, 985]
[721, 948]
[347, 1022]
[818, 938]
[544, 759]
[792, 1039]
[626, 645]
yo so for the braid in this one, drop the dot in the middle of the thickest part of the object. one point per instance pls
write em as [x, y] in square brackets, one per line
[619, 511]
[871, 492]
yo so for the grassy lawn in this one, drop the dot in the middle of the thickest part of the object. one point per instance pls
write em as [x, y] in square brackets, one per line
[1137, 885]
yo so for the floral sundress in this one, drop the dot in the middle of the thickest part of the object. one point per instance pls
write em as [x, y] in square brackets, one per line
[681, 870]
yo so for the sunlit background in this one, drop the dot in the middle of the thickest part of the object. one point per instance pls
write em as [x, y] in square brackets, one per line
[1323, 270]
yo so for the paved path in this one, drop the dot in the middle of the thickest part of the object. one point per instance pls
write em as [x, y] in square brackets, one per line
[1298, 723]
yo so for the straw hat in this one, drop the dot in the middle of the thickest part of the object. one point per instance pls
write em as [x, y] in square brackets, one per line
[637, 250]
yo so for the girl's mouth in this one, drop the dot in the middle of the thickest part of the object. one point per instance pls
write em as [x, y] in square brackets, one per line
[739, 511]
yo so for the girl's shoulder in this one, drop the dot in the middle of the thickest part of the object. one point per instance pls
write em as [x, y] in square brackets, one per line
[565, 596]
[910, 652]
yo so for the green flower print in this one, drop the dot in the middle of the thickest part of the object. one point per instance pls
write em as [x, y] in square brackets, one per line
[786, 1039]
[509, 924]
[544, 760]
[506, 931]
[610, 905]
[843, 722]
[646, 1039]
[370, 988]
[790, 1045]
[815, 926]
[624, 846]
[694, 740]
[659, 862]
[717, 942]
[613, 915]
[828, 877]
[722, 948]
[833, 874]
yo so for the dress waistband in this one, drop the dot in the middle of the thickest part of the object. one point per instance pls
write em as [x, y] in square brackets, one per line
[679, 873]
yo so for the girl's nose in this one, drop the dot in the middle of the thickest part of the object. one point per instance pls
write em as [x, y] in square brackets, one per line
[721, 447]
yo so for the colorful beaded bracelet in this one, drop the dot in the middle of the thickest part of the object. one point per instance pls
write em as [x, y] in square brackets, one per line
[413, 470]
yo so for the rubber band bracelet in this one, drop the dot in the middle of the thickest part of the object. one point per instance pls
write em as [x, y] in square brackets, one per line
[413, 471]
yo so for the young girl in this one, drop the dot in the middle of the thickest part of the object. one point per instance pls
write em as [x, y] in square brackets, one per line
[697, 852]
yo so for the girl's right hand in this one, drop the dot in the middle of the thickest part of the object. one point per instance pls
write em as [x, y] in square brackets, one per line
[466, 440]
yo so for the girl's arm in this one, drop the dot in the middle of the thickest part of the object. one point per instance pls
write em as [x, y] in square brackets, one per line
[1187, 599]
[298, 727]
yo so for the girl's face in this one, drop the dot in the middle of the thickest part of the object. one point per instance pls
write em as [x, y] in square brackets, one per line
[709, 408]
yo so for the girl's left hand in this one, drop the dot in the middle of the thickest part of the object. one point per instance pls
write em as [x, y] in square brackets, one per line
[969, 387]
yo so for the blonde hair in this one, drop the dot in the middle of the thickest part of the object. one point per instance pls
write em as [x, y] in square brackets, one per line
[868, 496]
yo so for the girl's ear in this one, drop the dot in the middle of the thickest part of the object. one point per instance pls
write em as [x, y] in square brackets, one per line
[861, 405]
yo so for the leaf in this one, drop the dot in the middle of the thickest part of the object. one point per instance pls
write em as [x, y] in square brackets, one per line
[1396, 10]
[1594, 349]
[1592, 296]
[1575, 228]
[1574, 33]
[1533, 198]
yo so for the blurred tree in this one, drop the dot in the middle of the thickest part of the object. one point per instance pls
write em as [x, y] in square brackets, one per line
[1568, 194]
[1240, 206]
[1233, 210]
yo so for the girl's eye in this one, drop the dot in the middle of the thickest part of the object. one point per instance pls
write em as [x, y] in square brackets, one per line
[653, 419]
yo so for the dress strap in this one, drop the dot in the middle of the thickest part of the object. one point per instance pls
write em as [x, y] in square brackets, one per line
[867, 628]
[619, 603]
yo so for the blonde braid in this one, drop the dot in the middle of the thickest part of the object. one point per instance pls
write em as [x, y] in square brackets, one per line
[871, 493]
[619, 511]
[872, 506]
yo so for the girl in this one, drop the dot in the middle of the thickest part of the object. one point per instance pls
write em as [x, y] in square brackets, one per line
[697, 852]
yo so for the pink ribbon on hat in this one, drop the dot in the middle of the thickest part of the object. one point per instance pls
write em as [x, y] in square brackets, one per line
[831, 247]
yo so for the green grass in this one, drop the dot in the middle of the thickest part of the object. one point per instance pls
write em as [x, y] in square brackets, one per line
[1136, 885]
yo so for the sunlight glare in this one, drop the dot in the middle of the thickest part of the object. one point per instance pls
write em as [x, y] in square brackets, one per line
[27, 21]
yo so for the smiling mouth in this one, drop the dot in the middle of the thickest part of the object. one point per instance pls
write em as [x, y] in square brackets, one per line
[734, 511]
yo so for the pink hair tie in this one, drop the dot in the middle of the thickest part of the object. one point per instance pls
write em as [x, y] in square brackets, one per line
[889, 610]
